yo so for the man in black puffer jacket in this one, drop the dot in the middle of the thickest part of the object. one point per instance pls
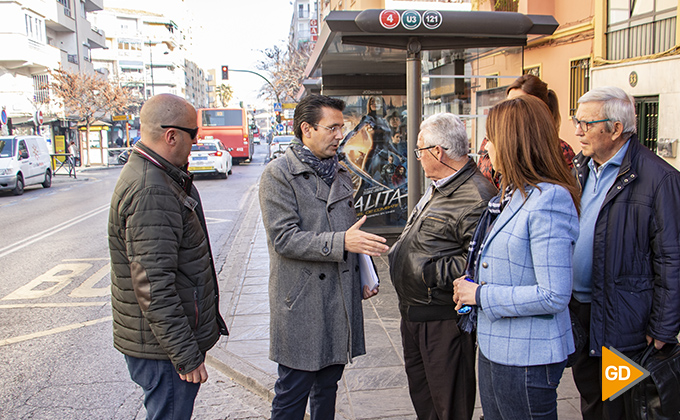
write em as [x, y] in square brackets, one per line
[430, 253]
[163, 282]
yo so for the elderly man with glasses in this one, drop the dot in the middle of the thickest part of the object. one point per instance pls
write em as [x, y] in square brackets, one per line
[430, 253]
[626, 290]
[164, 292]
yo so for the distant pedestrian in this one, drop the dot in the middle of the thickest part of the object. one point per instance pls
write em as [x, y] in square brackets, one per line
[314, 282]
[522, 266]
[430, 253]
[627, 279]
[72, 159]
[163, 282]
[529, 84]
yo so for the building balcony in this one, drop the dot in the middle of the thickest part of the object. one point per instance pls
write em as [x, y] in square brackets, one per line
[94, 5]
[641, 40]
[26, 56]
[96, 38]
[60, 18]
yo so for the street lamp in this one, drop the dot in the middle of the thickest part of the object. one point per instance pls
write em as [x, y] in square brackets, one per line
[153, 90]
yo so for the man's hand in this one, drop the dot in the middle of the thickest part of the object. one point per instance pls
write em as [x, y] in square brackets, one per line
[361, 242]
[657, 344]
[198, 375]
[368, 293]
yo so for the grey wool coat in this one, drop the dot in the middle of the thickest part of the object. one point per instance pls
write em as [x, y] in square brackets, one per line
[316, 317]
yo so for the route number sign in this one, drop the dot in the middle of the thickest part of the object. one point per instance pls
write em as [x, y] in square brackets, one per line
[411, 20]
[432, 19]
[389, 19]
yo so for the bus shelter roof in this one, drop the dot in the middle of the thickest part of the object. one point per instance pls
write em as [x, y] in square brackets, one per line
[346, 38]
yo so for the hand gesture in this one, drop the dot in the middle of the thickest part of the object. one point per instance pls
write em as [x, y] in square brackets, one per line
[361, 242]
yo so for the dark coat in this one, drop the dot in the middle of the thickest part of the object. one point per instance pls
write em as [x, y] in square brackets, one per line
[432, 250]
[163, 285]
[636, 254]
[315, 298]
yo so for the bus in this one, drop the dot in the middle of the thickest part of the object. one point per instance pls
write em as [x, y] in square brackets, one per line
[229, 126]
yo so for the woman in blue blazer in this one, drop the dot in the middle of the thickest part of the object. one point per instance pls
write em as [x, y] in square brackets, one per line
[522, 265]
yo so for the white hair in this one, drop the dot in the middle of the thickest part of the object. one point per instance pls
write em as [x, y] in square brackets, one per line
[617, 106]
[448, 131]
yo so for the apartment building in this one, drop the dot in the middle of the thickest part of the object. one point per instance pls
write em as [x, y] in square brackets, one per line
[39, 35]
[304, 26]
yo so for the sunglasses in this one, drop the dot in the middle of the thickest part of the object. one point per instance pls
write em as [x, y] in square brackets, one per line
[191, 131]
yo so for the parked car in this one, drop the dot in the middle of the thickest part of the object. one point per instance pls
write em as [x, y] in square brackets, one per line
[210, 157]
[24, 160]
[279, 145]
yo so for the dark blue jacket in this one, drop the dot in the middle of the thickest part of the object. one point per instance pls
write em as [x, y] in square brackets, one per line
[636, 254]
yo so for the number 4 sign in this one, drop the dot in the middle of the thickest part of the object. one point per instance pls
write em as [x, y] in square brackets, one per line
[389, 19]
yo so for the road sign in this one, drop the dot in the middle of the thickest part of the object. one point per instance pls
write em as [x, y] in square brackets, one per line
[279, 128]
[119, 118]
[277, 107]
[39, 118]
[3, 116]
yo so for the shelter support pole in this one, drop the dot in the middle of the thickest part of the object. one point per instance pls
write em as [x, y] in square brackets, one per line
[414, 109]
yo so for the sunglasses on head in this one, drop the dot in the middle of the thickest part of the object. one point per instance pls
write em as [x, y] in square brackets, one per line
[192, 131]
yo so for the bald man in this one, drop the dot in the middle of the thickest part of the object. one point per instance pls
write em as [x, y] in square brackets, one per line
[164, 292]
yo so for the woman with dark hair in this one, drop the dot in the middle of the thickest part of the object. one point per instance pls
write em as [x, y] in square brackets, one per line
[528, 85]
[521, 265]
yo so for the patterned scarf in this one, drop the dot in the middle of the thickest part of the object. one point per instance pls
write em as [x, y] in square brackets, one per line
[326, 169]
[468, 322]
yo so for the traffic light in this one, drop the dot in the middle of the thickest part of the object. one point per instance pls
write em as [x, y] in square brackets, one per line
[225, 72]
[278, 116]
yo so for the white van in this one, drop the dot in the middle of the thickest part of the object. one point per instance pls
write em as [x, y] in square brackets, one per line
[24, 160]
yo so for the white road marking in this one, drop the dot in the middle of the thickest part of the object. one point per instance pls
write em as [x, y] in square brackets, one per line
[87, 289]
[50, 282]
[51, 231]
[53, 331]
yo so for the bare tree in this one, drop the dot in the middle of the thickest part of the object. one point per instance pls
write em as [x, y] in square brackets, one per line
[88, 97]
[287, 68]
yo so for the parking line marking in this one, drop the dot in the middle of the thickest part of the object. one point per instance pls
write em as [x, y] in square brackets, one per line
[53, 331]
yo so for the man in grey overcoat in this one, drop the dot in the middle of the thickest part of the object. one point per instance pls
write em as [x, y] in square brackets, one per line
[315, 292]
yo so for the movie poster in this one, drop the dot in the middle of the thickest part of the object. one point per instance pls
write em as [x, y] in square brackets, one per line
[375, 152]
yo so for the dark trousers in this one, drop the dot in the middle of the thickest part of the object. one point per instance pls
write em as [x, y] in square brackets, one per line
[440, 366]
[587, 374]
[519, 392]
[294, 387]
[166, 396]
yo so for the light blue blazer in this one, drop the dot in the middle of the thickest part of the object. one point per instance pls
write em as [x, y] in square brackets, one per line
[525, 273]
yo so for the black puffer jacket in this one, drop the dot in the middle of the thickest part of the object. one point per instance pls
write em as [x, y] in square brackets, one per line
[636, 254]
[432, 250]
[163, 283]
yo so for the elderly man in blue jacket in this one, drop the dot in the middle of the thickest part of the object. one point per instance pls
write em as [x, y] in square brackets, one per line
[627, 257]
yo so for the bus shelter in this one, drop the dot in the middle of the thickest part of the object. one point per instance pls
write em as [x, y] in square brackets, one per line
[372, 59]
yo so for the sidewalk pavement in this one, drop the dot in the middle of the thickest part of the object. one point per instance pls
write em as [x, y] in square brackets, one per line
[373, 387]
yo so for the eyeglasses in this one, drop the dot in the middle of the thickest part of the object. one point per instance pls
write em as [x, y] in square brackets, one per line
[585, 125]
[418, 151]
[335, 129]
[192, 131]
